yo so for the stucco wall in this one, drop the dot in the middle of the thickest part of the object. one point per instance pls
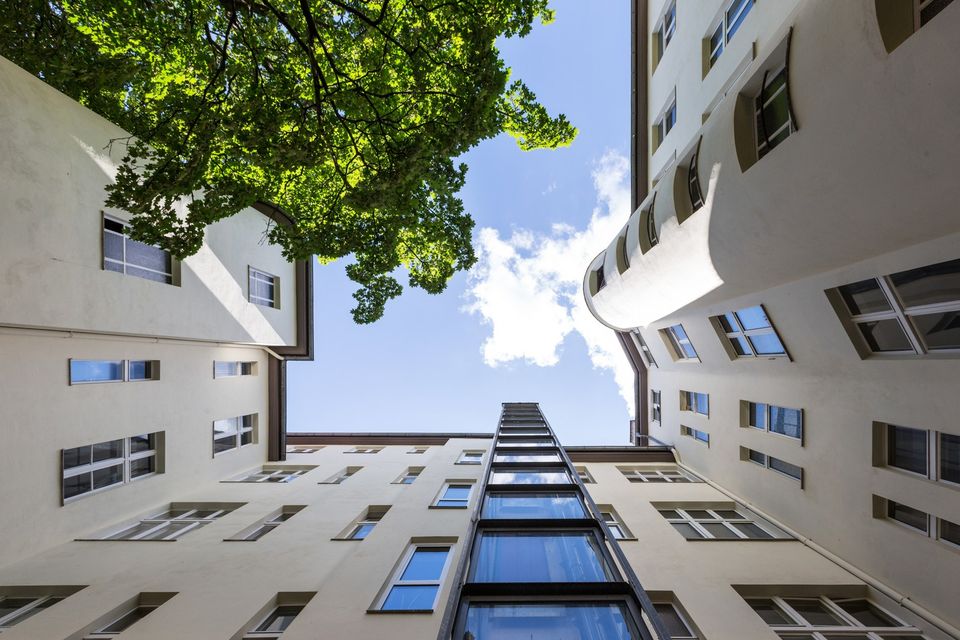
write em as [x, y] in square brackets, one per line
[54, 166]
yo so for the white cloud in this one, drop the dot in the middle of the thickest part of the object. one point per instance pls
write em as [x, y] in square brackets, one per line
[528, 287]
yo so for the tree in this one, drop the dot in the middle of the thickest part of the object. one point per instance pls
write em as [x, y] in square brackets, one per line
[346, 114]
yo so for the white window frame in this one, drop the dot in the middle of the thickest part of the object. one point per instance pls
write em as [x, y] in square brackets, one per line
[745, 456]
[676, 343]
[666, 474]
[470, 456]
[666, 28]
[665, 123]
[585, 476]
[297, 448]
[241, 425]
[761, 144]
[656, 406]
[698, 435]
[271, 474]
[193, 523]
[737, 330]
[395, 578]
[106, 635]
[722, 26]
[443, 491]
[644, 349]
[16, 615]
[615, 523]
[124, 371]
[371, 516]
[686, 518]
[254, 634]
[126, 458]
[411, 475]
[688, 402]
[237, 368]
[681, 616]
[418, 450]
[361, 449]
[855, 628]
[341, 476]
[767, 413]
[123, 263]
[267, 525]
[259, 275]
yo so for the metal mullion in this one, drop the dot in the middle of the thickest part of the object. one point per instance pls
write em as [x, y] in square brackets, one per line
[190, 527]
[157, 527]
[802, 624]
[19, 612]
[896, 304]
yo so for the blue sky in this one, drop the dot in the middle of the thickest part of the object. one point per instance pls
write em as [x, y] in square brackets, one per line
[515, 328]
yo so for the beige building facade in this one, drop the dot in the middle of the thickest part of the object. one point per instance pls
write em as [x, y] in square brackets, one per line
[787, 286]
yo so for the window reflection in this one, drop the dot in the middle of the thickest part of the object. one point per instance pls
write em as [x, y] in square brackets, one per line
[529, 477]
[533, 505]
[569, 556]
[548, 621]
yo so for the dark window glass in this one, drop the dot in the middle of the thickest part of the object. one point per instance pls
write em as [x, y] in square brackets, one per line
[772, 614]
[907, 449]
[814, 612]
[530, 457]
[939, 330]
[791, 470]
[758, 415]
[741, 346]
[867, 614]
[786, 421]
[950, 457]
[127, 620]
[30, 612]
[108, 476]
[76, 485]
[76, 457]
[929, 285]
[533, 505]
[718, 530]
[675, 625]
[549, 620]
[686, 530]
[863, 297]
[758, 457]
[280, 619]
[107, 450]
[735, 16]
[907, 515]
[932, 9]
[570, 556]
[751, 530]
[885, 335]
[950, 531]
[145, 442]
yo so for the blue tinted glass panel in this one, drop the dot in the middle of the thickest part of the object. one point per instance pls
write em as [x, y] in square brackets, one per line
[767, 344]
[549, 621]
[701, 403]
[786, 421]
[526, 505]
[753, 318]
[735, 16]
[425, 564]
[96, 370]
[457, 493]
[702, 436]
[570, 556]
[362, 531]
[410, 597]
[529, 477]
[758, 415]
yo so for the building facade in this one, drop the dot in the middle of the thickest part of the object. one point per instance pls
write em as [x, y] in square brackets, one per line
[794, 339]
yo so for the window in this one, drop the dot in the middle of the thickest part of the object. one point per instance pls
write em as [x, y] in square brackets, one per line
[614, 522]
[231, 369]
[529, 476]
[301, 449]
[123, 254]
[125, 617]
[535, 556]
[548, 619]
[416, 585]
[668, 26]
[720, 521]
[664, 125]
[644, 349]
[275, 623]
[696, 434]
[232, 433]
[908, 516]
[826, 618]
[418, 450]
[910, 312]
[18, 603]
[776, 464]
[454, 495]
[623, 256]
[409, 476]
[693, 180]
[675, 621]
[274, 474]
[749, 333]
[90, 468]
[362, 527]
[907, 448]
[599, 276]
[655, 411]
[730, 21]
[651, 225]
[584, 475]
[916, 520]
[519, 457]
[930, 454]
[767, 417]
[179, 519]
[364, 450]
[524, 442]
[667, 474]
[470, 457]
[268, 524]
[774, 122]
[340, 476]
[559, 505]
[695, 402]
[680, 344]
[92, 371]
[264, 289]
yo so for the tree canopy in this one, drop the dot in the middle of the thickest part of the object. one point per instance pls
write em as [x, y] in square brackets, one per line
[346, 114]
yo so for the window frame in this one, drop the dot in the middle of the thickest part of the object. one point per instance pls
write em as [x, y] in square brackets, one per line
[615, 523]
[395, 576]
[411, 473]
[366, 450]
[698, 435]
[666, 28]
[855, 628]
[714, 508]
[746, 456]
[767, 422]
[761, 102]
[447, 485]
[253, 632]
[657, 475]
[737, 330]
[676, 343]
[154, 518]
[693, 180]
[16, 616]
[470, 457]
[242, 368]
[127, 457]
[665, 122]
[341, 476]
[583, 473]
[689, 402]
[259, 275]
[656, 406]
[244, 424]
[644, 349]
[266, 473]
[170, 277]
